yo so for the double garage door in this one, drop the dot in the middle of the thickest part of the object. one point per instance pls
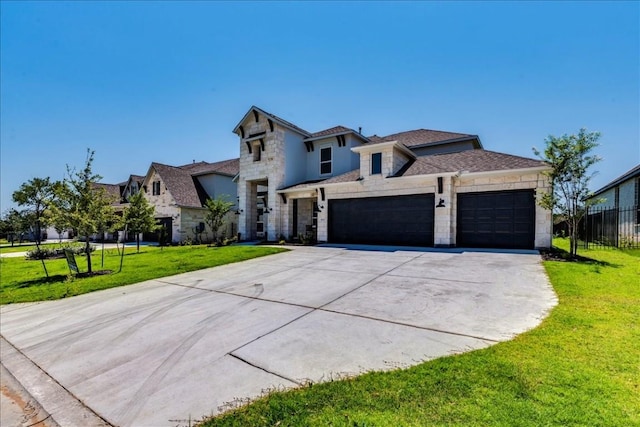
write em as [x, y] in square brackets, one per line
[393, 220]
[501, 219]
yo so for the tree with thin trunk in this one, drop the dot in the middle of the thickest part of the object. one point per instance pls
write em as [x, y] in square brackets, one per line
[139, 216]
[217, 210]
[35, 195]
[88, 206]
[570, 159]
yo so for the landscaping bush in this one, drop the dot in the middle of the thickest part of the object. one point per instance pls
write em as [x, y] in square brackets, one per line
[46, 252]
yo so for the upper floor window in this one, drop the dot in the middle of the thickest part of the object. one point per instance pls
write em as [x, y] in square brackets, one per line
[257, 153]
[156, 188]
[376, 163]
[325, 161]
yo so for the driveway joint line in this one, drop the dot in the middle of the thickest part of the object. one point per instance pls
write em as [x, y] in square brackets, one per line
[253, 365]
[54, 380]
[426, 328]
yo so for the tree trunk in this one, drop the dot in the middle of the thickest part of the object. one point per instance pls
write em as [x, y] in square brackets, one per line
[138, 242]
[88, 253]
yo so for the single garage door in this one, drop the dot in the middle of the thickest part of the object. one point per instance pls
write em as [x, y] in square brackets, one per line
[394, 220]
[500, 219]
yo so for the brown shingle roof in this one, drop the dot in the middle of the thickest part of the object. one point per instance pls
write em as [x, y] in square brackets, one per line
[229, 167]
[469, 160]
[331, 131]
[112, 191]
[413, 138]
[185, 189]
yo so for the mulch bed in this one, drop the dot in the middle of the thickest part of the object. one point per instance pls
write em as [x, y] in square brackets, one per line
[93, 273]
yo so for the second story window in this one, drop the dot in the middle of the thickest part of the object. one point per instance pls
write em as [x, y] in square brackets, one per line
[156, 188]
[325, 161]
[256, 153]
[376, 163]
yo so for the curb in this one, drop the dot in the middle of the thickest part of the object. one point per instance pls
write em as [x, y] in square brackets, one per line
[62, 406]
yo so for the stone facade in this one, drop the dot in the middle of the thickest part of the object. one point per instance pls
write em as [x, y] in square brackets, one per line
[444, 217]
[267, 170]
[164, 204]
[269, 147]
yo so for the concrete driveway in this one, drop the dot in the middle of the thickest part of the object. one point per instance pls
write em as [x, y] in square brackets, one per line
[164, 351]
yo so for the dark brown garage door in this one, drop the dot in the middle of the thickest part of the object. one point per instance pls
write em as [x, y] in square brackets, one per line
[502, 219]
[397, 220]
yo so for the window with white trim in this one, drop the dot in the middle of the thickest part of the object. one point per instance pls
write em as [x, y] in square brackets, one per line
[325, 161]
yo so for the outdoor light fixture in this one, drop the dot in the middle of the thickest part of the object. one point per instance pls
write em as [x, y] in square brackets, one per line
[440, 204]
[239, 211]
[318, 209]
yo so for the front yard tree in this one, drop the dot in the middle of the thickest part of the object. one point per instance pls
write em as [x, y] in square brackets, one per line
[88, 207]
[57, 214]
[139, 216]
[570, 159]
[35, 195]
[217, 210]
[14, 225]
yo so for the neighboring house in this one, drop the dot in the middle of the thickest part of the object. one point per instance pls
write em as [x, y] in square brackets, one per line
[131, 187]
[421, 187]
[179, 193]
[616, 218]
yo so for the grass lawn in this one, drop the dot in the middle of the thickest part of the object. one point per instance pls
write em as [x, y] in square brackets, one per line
[24, 281]
[24, 247]
[581, 366]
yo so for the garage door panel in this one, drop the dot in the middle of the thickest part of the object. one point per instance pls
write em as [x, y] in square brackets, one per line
[503, 219]
[398, 220]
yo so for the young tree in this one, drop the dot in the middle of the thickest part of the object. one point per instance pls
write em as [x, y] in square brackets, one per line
[35, 195]
[217, 210]
[570, 159]
[57, 213]
[139, 216]
[88, 207]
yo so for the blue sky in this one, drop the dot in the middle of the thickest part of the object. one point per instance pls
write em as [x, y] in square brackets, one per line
[167, 81]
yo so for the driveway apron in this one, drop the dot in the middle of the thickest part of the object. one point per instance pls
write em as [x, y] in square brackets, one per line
[167, 351]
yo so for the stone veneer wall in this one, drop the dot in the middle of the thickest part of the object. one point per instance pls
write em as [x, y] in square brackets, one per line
[271, 167]
[164, 205]
[445, 218]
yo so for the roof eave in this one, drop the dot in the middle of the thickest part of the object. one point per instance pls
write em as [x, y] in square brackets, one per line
[633, 173]
[450, 141]
[316, 138]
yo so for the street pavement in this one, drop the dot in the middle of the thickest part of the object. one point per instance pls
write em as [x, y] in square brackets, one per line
[167, 351]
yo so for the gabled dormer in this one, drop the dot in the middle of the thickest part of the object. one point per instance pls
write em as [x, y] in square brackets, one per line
[383, 159]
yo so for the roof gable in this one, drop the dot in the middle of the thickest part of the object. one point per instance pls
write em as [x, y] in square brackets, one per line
[282, 122]
[183, 187]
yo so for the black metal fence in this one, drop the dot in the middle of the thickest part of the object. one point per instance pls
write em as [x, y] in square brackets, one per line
[612, 227]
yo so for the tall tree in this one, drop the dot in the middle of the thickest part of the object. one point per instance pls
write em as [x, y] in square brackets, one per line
[14, 224]
[217, 210]
[570, 159]
[35, 195]
[139, 216]
[88, 206]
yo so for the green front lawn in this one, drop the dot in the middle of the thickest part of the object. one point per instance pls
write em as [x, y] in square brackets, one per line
[24, 247]
[24, 281]
[580, 367]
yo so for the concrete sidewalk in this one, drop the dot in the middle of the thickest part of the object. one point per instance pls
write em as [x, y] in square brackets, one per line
[187, 346]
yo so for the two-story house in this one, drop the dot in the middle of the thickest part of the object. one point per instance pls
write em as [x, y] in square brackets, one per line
[422, 187]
